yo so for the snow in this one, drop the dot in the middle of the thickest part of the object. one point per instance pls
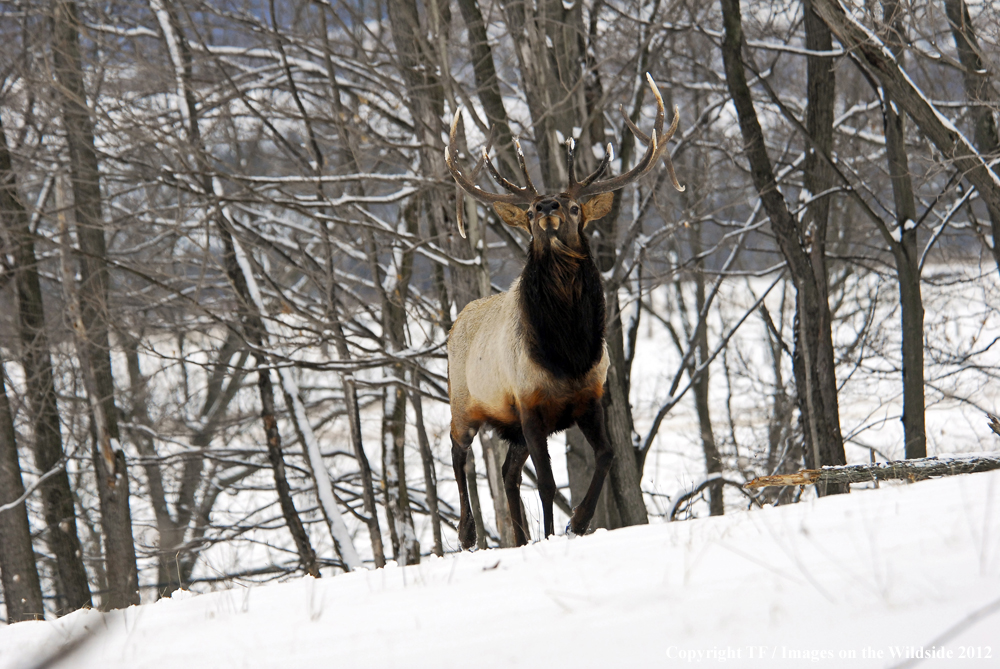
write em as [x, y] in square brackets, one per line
[857, 580]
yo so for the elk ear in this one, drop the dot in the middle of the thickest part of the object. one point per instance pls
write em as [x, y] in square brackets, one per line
[597, 207]
[512, 215]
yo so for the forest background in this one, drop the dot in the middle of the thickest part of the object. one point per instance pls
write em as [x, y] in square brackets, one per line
[231, 259]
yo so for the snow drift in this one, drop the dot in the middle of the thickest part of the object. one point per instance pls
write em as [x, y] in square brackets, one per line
[877, 578]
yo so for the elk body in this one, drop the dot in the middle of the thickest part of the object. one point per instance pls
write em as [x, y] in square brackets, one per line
[533, 361]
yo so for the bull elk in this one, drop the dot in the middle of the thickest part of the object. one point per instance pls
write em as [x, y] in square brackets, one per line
[533, 361]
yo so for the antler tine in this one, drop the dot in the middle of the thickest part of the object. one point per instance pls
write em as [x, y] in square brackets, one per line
[459, 199]
[484, 157]
[524, 168]
[663, 143]
[609, 155]
[517, 196]
[656, 145]
[496, 176]
[571, 164]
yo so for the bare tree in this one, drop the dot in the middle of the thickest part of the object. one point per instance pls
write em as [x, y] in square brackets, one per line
[816, 379]
[47, 447]
[21, 590]
[92, 325]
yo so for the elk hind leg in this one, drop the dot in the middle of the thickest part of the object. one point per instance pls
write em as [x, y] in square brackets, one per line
[459, 454]
[591, 423]
[535, 436]
[513, 464]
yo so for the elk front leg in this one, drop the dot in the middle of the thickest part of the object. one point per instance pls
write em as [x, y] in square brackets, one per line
[459, 454]
[517, 454]
[535, 436]
[591, 423]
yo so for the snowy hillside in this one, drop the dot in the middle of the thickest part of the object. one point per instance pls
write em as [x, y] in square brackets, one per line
[860, 580]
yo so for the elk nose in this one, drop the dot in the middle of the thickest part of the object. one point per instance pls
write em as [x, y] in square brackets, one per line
[547, 207]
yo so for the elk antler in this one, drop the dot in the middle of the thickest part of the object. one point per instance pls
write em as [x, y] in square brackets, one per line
[515, 194]
[656, 147]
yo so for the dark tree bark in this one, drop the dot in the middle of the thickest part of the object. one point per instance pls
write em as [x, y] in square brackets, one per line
[905, 253]
[22, 593]
[819, 177]
[815, 373]
[166, 527]
[73, 591]
[784, 452]
[700, 387]
[427, 459]
[116, 522]
[357, 442]
[402, 532]
[276, 457]
[547, 37]
[978, 92]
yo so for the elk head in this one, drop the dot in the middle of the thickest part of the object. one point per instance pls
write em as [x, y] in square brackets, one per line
[560, 219]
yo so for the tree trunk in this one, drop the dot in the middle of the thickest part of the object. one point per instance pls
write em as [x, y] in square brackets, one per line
[347, 380]
[713, 459]
[624, 475]
[494, 452]
[427, 458]
[349, 386]
[813, 362]
[254, 331]
[899, 470]
[21, 590]
[393, 291]
[166, 527]
[95, 349]
[906, 255]
[819, 177]
[626, 469]
[487, 84]
[307, 555]
[978, 92]
[72, 589]
[784, 452]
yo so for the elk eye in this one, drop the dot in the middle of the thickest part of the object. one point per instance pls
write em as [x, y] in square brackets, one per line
[531, 215]
[574, 210]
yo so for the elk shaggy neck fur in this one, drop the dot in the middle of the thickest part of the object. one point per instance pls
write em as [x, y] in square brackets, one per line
[562, 303]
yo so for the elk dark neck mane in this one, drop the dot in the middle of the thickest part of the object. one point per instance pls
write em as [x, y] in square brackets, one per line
[563, 305]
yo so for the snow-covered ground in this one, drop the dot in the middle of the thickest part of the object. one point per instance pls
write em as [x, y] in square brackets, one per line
[860, 580]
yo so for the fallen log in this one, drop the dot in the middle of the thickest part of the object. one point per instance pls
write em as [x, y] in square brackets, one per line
[909, 470]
